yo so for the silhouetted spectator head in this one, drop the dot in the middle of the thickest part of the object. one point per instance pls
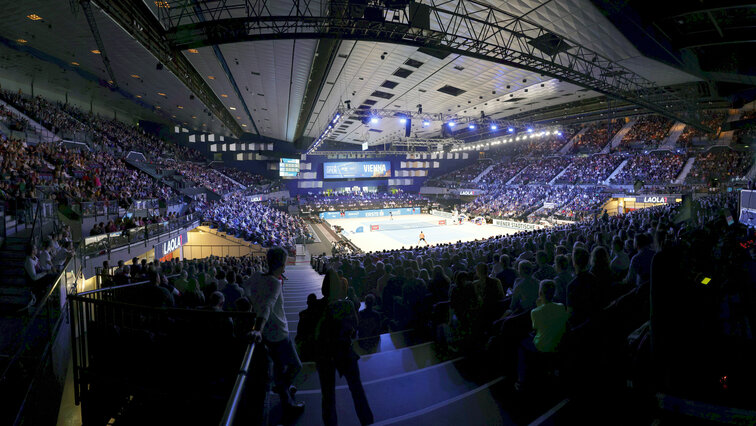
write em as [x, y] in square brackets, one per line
[369, 302]
[276, 257]
[546, 290]
[217, 299]
[580, 259]
[242, 304]
[642, 241]
[600, 258]
[562, 263]
[525, 268]
[311, 299]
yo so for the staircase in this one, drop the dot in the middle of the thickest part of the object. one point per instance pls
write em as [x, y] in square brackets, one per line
[45, 135]
[615, 172]
[566, 148]
[674, 134]
[618, 137]
[406, 380]
[15, 294]
[483, 173]
[515, 176]
[551, 182]
[686, 169]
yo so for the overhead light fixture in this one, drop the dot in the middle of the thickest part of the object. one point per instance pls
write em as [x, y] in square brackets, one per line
[232, 108]
[210, 77]
[510, 130]
[179, 107]
[193, 51]
[403, 120]
[374, 120]
[95, 51]
[34, 17]
[161, 94]
[163, 4]
[134, 75]
[452, 124]
[22, 41]
[426, 123]
[494, 127]
[223, 95]
[530, 130]
[471, 126]
[76, 64]
[139, 96]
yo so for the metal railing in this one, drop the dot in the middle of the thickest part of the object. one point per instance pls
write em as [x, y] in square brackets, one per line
[117, 346]
[105, 243]
[236, 394]
[28, 378]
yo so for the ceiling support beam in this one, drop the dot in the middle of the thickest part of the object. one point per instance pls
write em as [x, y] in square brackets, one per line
[464, 27]
[134, 17]
[325, 54]
[86, 6]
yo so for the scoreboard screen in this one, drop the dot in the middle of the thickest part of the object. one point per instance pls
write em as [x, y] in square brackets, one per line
[288, 167]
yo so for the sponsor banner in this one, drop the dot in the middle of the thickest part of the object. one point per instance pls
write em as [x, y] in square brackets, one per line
[441, 213]
[442, 222]
[468, 192]
[370, 213]
[516, 225]
[162, 249]
[357, 169]
[373, 227]
[359, 229]
[655, 199]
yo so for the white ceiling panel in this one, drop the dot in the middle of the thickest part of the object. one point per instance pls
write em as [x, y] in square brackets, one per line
[272, 78]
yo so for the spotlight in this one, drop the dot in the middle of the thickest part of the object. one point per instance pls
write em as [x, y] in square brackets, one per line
[471, 126]
[374, 120]
[530, 130]
[335, 119]
[426, 123]
[451, 124]
[494, 127]
[403, 120]
[559, 133]
[510, 130]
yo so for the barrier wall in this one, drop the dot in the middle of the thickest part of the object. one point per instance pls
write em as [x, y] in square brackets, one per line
[517, 225]
[370, 213]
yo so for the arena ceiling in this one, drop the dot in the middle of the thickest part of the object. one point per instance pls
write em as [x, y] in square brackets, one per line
[264, 84]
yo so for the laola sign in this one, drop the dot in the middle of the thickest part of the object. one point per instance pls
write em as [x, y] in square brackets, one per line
[651, 199]
[170, 245]
[173, 244]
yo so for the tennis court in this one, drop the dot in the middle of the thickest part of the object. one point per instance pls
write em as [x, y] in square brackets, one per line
[403, 231]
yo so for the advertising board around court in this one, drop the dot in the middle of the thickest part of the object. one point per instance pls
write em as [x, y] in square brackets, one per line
[356, 169]
[370, 213]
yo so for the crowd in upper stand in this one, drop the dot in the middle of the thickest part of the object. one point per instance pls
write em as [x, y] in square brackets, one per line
[710, 119]
[592, 170]
[723, 164]
[71, 175]
[542, 171]
[48, 114]
[595, 137]
[656, 167]
[257, 221]
[583, 288]
[648, 132]
[467, 173]
[199, 174]
[360, 200]
[252, 181]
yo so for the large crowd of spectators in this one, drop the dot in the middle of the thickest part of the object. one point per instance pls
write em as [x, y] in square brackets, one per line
[467, 173]
[711, 119]
[257, 221]
[360, 200]
[583, 289]
[648, 132]
[656, 167]
[200, 175]
[595, 137]
[71, 175]
[591, 170]
[48, 114]
[542, 171]
[723, 164]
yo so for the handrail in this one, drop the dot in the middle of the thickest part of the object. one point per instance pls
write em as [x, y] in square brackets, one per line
[43, 302]
[236, 393]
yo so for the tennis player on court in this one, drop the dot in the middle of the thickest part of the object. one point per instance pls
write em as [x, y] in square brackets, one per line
[422, 238]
